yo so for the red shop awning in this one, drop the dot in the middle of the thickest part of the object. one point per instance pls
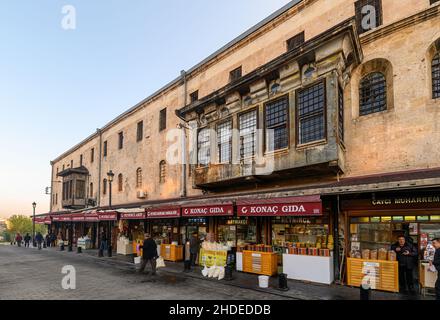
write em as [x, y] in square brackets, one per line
[78, 217]
[275, 207]
[108, 216]
[163, 213]
[209, 210]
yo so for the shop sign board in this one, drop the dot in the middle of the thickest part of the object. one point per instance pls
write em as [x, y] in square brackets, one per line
[133, 216]
[108, 216]
[281, 209]
[208, 211]
[78, 218]
[91, 218]
[163, 213]
[371, 273]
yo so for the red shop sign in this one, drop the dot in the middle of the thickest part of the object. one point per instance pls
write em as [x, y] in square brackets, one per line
[108, 216]
[163, 213]
[276, 207]
[208, 211]
[47, 220]
[133, 216]
[91, 217]
[78, 218]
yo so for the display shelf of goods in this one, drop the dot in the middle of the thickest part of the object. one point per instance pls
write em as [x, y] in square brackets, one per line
[211, 258]
[385, 273]
[263, 263]
[171, 252]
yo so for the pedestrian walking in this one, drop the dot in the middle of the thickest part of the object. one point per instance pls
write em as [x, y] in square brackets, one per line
[18, 239]
[53, 239]
[436, 264]
[27, 240]
[104, 240]
[47, 239]
[39, 238]
[149, 254]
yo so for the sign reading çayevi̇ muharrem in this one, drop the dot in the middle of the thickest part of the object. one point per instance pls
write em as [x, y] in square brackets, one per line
[292, 206]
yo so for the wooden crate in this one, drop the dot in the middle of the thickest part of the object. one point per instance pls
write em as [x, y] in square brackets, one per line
[171, 252]
[387, 273]
[264, 263]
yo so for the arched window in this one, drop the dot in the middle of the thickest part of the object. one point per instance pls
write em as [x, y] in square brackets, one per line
[436, 76]
[162, 171]
[104, 187]
[91, 190]
[120, 182]
[372, 93]
[139, 178]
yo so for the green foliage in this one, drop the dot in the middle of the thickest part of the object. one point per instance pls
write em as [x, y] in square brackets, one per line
[23, 224]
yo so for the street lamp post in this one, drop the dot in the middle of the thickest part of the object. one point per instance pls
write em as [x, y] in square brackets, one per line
[110, 176]
[34, 205]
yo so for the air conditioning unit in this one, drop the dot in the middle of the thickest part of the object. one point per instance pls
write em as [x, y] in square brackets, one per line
[141, 194]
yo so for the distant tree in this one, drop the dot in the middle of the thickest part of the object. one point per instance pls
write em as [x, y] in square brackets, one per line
[23, 224]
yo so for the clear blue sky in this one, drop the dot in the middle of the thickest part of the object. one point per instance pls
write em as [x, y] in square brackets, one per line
[58, 86]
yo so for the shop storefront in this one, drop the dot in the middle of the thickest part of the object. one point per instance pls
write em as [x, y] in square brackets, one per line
[295, 233]
[132, 230]
[108, 224]
[374, 223]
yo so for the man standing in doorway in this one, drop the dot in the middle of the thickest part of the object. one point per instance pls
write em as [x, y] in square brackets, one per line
[436, 263]
[149, 254]
[194, 248]
[406, 255]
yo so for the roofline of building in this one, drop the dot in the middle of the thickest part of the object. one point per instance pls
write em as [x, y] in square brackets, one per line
[223, 49]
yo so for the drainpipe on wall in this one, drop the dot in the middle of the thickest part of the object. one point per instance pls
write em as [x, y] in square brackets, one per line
[98, 198]
[183, 192]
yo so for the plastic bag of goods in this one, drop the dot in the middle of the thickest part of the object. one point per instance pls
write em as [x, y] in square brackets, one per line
[211, 272]
[366, 254]
[373, 254]
[205, 271]
[216, 272]
[392, 255]
[263, 281]
[221, 274]
[383, 254]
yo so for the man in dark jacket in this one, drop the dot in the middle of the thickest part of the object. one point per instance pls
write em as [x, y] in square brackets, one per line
[406, 256]
[39, 238]
[194, 248]
[149, 254]
[436, 263]
[27, 240]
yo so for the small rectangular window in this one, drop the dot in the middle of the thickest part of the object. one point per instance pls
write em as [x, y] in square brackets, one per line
[163, 119]
[121, 140]
[311, 113]
[194, 96]
[92, 155]
[248, 134]
[224, 138]
[277, 131]
[140, 131]
[80, 160]
[80, 189]
[235, 74]
[105, 149]
[295, 41]
[370, 8]
[71, 163]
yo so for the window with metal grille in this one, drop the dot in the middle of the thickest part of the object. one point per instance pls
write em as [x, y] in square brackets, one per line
[140, 131]
[341, 113]
[120, 182]
[248, 134]
[436, 76]
[162, 171]
[163, 119]
[295, 41]
[121, 140]
[104, 187]
[235, 74]
[277, 121]
[224, 138]
[139, 178]
[363, 11]
[194, 96]
[80, 189]
[204, 147]
[91, 190]
[105, 148]
[311, 113]
[372, 93]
